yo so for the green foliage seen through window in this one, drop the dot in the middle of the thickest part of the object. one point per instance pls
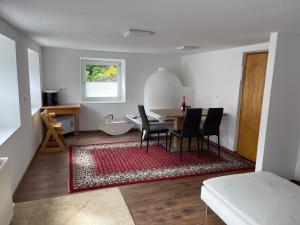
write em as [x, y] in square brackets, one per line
[101, 72]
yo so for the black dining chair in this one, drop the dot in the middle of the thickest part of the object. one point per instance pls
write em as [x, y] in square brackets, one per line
[190, 128]
[147, 127]
[211, 126]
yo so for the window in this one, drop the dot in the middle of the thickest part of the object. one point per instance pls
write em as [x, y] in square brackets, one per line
[9, 92]
[103, 80]
[34, 80]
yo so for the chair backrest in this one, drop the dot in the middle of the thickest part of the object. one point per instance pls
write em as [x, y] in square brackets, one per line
[213, 120]
[145, 121]
[191, 123]
[47, 118]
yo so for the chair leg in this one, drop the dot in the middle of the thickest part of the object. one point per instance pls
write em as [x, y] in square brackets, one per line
[147, 143]
[207, 142]
[170, 142]
[142, 138]
[202, 146]
[219, 147]
[181, 149]
[58, 141]
[206, 209]
[190, 140]
[158, 138]
[166, 141]
[198, 149]
[46, 141]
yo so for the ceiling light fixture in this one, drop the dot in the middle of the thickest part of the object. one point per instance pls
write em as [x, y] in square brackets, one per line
[137, 33]
[187, 48]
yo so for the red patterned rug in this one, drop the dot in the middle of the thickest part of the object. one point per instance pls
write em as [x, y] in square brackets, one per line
[106, 165]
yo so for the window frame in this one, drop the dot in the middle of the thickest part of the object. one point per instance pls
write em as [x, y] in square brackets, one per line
[7, 129]
[120, 80]
[34, 108]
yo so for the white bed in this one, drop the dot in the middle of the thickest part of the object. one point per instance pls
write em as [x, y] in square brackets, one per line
[260, 198]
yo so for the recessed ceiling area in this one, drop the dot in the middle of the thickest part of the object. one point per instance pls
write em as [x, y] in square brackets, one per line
[98, 24]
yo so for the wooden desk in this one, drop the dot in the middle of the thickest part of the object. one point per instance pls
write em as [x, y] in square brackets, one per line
[69, 109]
[178, 117]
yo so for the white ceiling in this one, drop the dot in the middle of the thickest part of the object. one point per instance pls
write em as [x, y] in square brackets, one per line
[98, 24]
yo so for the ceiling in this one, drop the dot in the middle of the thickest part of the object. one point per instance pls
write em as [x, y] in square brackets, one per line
[98, 24]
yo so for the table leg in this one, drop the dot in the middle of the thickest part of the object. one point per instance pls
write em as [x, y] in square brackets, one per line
[76, 115]
[177, 125]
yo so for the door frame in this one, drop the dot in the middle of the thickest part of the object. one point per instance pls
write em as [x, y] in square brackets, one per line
[242, 74]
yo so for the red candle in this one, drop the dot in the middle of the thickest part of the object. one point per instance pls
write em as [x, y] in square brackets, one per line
[183, 105]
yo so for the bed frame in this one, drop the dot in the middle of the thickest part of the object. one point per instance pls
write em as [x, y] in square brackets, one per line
[260, 198]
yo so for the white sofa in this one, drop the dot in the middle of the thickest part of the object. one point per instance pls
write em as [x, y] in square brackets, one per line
[260, 198]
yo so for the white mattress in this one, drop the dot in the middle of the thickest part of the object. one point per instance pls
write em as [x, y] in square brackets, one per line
[260, 198]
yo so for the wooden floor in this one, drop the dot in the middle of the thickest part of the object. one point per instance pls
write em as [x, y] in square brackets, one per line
[156, 203]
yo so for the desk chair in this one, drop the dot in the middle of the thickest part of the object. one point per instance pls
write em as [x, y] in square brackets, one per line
[53, 141]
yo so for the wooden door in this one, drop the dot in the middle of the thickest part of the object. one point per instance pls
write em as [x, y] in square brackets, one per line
[251, 103]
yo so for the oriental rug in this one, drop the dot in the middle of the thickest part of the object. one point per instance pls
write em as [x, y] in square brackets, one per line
[106, 165]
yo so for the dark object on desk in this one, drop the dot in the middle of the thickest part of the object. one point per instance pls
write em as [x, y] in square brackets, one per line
[50, 97]
[149, 130]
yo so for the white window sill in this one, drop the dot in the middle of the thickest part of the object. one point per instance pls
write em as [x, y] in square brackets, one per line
[95, 102]
[6, 132]
[34, 110]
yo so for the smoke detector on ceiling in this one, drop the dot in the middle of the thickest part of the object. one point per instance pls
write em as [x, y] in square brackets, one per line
[137, 33]
[187, 48]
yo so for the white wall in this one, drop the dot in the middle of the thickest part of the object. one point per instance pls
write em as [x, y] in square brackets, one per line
[21, 146]
[280, 127]
[62, 70]
[159, 90]
[215, 78]
[297, 168]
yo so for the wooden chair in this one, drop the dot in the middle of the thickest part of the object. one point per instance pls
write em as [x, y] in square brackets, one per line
[53, 141]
